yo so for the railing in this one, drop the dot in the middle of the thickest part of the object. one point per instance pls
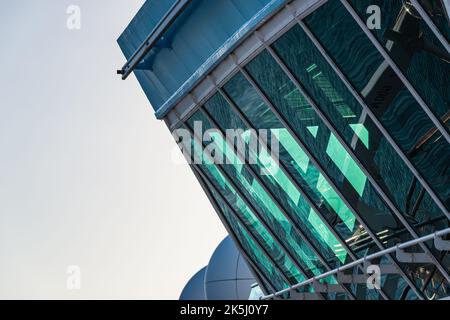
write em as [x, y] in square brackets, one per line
[401, 255]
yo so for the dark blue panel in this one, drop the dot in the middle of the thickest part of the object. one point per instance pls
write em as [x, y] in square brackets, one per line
[200, 37]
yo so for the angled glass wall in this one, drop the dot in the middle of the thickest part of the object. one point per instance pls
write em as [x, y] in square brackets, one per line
[331, 144]
[329, 198]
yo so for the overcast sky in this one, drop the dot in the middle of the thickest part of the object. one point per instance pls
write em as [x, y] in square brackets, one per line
[86, 176]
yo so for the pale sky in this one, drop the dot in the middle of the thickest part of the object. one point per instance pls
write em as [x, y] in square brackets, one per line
[86, 171]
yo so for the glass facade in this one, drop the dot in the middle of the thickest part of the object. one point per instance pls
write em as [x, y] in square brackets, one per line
[318, 152]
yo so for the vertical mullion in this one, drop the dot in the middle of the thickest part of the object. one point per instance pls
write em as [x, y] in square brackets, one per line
[431, 24]
[378, 124]
[350, 151]
[397, 70]
[314, 160]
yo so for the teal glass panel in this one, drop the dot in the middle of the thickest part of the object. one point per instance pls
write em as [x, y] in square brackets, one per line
[253, 191]
[250, 247]
[384, 93]
[415, 49]
[252, 223]
[297, 165]
[322, 144]
[341, 108]
[347, 176]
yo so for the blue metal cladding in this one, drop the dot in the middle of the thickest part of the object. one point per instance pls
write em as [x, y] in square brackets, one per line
[200, 37]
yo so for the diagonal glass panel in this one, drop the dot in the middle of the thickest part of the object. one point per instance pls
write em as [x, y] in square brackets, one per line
[347, 116]
[415, 49]
[293, 157]
[277, 86]
[252, 223]
[384, 93]
[251, 247]
[259, 198]
[286, 191]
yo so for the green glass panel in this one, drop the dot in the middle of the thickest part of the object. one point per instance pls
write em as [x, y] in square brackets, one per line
[369, 205]
[252, 222]
[416, 50]
[387, 97]
[261, 200]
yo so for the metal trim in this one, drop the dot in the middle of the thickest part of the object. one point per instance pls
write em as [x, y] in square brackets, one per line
[166, 21]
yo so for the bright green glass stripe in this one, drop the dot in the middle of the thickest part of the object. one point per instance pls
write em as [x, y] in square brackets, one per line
[323, 187]
[346, 164]
[248, 215]
[258, 192]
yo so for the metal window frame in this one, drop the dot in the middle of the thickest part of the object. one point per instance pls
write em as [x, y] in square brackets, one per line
[328, 123]
[375, 120]
[272, 28]
[254, 267]
[304, 194]
[203, 179]
[320, 167]
[397, 70]
[266, 188]
[255, 212]
[166, 21]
